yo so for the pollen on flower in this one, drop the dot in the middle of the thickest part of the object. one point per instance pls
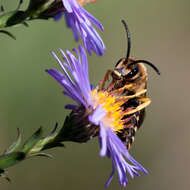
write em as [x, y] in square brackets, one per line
[84, 2]
[112, 105]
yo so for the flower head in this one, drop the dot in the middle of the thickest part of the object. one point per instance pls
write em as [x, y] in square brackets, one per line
[77, 18]
[81, 22]
[102, 109]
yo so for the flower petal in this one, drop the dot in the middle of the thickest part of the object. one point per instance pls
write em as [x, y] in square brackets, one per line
[74, 78]
[80, 21]
[119, 154]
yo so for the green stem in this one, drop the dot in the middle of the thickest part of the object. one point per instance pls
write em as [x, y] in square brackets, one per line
[33, 146]
[12, 18]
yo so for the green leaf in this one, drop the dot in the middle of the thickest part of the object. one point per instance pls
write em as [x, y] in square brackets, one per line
[42, 154]
[52, 145]
[25, 24]
[16, 144]
[8, 33]
[11, 159]
[12, 18]
[32, 141]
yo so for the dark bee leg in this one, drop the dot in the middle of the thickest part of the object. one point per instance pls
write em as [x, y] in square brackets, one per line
[131, 131]
[127, 135]
[106, 78]
[131, 138]
[145, 102]
[136, 121]
[142, 115]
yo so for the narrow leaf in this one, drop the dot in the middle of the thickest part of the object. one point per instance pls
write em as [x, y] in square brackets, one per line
[19, 4]
[16, 144]
[54, 129]
[31, 142]
[11, 159]
[8, 33]
[53, 145]
[25, 24]
[41, 154]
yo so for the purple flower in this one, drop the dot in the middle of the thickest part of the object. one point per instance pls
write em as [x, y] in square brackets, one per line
[81, 22]
[102, 109]
[77, 18]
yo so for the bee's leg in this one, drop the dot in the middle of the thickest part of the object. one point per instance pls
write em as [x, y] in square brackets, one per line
[106, 78]
[145, 102]
[137, 94]
[131, 136]
[135, 122]
[129, 141]
[120, 90]
[111, 86]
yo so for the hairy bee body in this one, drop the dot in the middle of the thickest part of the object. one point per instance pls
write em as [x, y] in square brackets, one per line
[127, 135]
[130, 75]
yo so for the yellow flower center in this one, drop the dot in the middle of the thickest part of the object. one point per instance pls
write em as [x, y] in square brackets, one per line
[84, 2]
[111, 104]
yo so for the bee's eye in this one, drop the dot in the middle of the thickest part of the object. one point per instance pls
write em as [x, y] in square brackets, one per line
[133, 72]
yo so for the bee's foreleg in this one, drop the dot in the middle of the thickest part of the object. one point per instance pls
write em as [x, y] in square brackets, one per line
[106, 78]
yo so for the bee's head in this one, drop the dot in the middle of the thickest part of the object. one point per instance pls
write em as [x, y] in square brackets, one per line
[125, 70]
[128, 67]
[123, 67]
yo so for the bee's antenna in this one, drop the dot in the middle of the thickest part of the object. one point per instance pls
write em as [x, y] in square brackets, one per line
[128, 40]
[146, 62]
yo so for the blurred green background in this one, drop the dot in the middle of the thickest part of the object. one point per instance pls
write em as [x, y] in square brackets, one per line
[29, 98]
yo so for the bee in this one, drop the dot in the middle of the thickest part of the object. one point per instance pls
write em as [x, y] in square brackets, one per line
[130, 77]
